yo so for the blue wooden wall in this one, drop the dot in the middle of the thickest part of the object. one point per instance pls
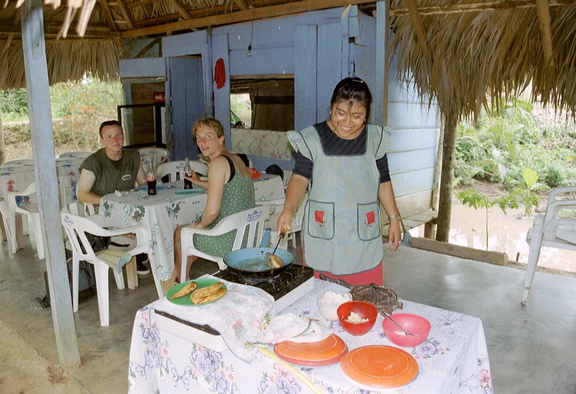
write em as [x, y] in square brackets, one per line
[318, 49]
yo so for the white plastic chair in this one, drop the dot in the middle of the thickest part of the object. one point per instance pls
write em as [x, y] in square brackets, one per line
[25, 203]
[551, 230]
[250, 221]
[175, 169]
[76, 228]
[146, 154]
[296, 225]
[18, 162]
[77, 154]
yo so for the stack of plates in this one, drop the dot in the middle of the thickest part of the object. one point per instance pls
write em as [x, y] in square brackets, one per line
[312, 354]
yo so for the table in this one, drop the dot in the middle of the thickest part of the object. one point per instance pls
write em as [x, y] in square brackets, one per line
[16, 175]
[454, 359]
[165, 211]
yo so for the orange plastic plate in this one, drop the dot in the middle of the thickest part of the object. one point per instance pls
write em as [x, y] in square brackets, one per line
[380, 366]
[313, 354]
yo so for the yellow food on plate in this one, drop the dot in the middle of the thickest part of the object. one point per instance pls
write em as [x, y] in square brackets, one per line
[184, 291]
[208, 294]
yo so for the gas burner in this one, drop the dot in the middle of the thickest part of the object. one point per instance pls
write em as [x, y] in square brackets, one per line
[286, 287]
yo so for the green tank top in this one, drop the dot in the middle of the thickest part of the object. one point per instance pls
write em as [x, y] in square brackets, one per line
[238, 195]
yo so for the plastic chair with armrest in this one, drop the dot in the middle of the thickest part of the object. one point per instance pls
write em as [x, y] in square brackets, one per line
[174, 170]
[250, 221]
[78, 154]
[295, 227]
[76, 228]
[25, 203]
[552, 230]
[147, 153]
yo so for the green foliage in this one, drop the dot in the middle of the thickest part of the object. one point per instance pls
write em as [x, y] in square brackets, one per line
[77, 111]
[14, 105]
[505, 142]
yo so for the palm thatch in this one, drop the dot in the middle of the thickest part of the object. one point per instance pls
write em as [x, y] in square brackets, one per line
[476, 57]
[67, 61]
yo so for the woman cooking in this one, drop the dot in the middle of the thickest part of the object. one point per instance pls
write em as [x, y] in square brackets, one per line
[230, 190]
[343, 161]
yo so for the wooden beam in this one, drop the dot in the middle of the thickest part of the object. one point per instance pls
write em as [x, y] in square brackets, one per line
[38, 93]
[241, 4]
[476, 7]
[243, 16]
[181, 10]
[108, 15]
[125, 14]
[418, 27]
[543, 10]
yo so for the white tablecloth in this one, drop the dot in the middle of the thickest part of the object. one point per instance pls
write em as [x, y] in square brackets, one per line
[454, 359]
[165, 211]
[17, 175]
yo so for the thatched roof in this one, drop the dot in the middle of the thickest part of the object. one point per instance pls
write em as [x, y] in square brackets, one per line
[471, 51]
[458, 51]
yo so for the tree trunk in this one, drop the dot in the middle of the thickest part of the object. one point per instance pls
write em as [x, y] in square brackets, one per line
[446, 181]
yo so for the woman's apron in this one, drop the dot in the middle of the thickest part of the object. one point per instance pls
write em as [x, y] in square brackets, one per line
[341, 228]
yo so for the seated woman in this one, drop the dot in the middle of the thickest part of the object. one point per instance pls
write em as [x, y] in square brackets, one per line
[230, 190]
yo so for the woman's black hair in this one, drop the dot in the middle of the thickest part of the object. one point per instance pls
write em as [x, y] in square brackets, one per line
[353, 90]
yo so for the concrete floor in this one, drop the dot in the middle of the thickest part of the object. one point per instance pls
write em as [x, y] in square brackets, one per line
[532, 349]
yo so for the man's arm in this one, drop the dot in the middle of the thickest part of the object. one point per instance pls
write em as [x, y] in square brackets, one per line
[141, 176]
[85, 183]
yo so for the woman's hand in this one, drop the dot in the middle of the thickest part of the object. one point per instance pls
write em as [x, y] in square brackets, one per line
[284, 223]
[394, 234]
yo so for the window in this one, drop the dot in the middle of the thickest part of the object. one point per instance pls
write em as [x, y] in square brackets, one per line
[262, 104]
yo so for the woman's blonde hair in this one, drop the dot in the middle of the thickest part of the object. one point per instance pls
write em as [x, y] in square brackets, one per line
[214, 124]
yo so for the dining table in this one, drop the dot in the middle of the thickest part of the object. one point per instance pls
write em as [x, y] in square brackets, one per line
[162, 213]
[172, 358]
[16, 175]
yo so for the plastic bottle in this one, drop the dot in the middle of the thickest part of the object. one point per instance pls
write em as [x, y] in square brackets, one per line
[187, 172]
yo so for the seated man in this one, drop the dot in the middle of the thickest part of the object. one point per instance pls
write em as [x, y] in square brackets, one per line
[109, 169]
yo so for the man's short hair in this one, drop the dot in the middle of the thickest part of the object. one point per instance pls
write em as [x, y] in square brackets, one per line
[109, 123]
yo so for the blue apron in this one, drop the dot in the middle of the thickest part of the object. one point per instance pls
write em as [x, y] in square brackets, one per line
[341, 228]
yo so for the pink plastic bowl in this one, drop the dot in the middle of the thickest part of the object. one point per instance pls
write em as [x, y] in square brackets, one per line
[363, 309]
[412, 323]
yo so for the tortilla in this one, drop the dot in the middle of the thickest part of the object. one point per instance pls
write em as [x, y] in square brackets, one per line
[208, 294]
[185, 290]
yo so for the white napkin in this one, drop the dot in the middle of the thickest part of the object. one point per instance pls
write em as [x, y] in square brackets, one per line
[291, 327]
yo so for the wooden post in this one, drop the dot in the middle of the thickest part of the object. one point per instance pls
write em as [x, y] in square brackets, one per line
[446, 180]
[38, 94]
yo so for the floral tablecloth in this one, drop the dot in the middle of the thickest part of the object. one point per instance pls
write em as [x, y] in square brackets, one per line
[454, 358]
[163, 212]
[16, 175]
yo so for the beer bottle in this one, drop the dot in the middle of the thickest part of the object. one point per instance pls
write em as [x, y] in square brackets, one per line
[151, 178]
[187, 172]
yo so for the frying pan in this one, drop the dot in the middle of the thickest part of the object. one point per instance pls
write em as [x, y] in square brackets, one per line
[250, 261]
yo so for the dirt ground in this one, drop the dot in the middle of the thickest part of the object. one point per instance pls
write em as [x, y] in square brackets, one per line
[23, 370]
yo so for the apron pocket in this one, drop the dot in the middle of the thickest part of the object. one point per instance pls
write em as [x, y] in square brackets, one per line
[368, 221]
[321, 219]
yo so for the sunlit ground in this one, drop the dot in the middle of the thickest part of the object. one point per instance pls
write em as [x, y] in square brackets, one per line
[506, 233]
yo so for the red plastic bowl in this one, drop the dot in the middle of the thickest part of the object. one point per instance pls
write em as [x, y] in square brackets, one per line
[412, 323]
[363, 309]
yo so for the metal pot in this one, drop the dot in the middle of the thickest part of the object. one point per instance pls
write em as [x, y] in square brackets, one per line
[250, 261]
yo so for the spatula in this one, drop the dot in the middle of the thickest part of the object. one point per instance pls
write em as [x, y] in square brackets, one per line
[270, 259]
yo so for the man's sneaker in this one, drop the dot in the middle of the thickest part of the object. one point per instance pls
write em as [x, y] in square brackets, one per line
[141, 269]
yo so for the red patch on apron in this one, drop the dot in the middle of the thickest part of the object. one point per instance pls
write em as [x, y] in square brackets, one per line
[319, 216]
[370, 218]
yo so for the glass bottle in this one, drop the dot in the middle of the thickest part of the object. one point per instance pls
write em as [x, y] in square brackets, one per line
[151, 178]
[187, 172]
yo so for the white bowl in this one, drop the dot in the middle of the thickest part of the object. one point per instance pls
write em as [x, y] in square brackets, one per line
[329, 301]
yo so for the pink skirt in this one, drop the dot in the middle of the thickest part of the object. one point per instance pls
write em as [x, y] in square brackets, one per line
[375, 275]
